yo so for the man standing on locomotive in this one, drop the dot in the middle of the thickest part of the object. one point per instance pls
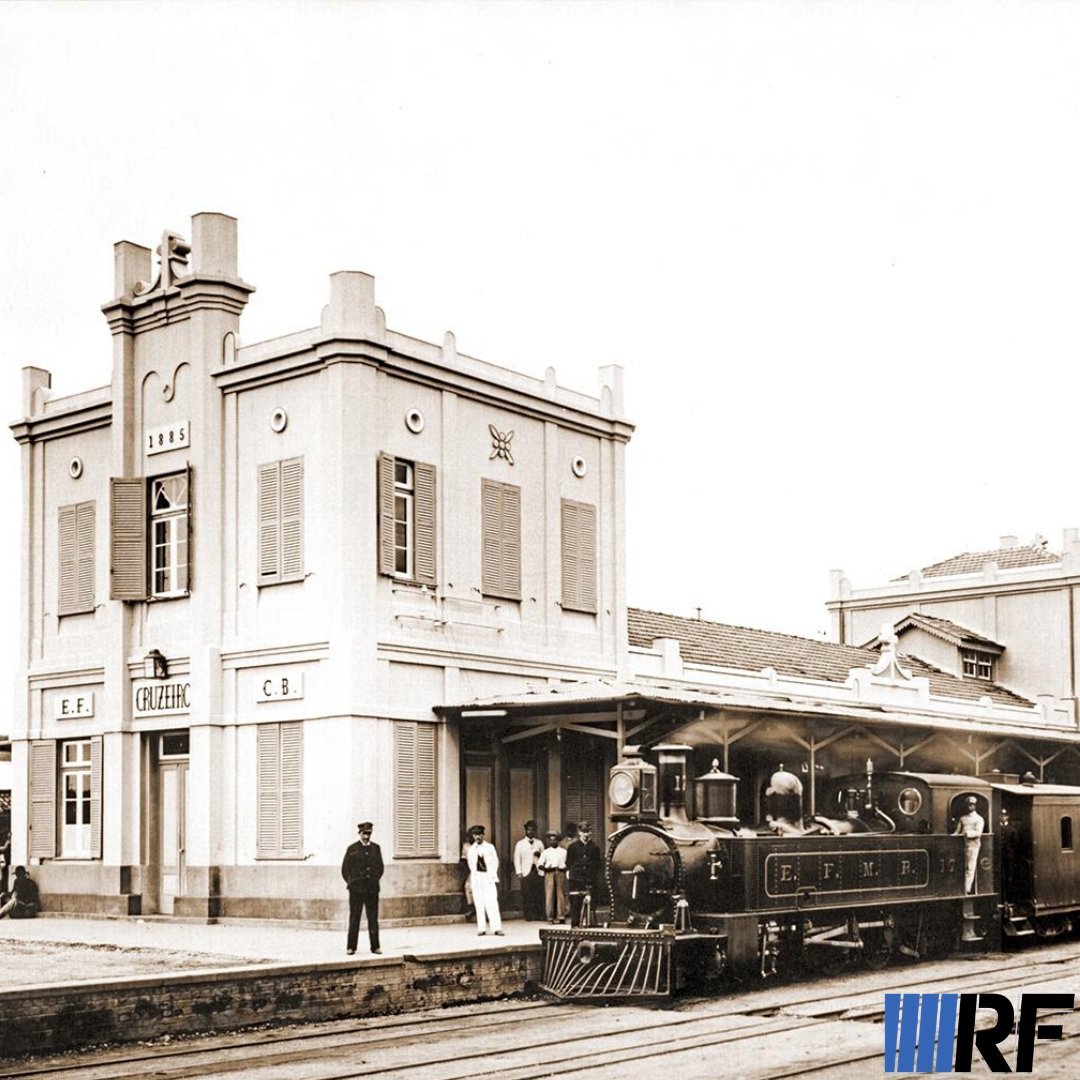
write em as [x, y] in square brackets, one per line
[970, 827]
[584, 870]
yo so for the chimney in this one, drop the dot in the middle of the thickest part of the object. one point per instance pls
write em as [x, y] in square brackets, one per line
[1008, 542]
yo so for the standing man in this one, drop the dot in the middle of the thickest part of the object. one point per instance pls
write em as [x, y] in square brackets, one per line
[552, 866]
[584, 869]
[483, 863]
[970, 827]
[526, 866]
[362, 868]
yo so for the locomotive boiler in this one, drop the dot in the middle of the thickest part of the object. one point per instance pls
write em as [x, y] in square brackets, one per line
[697, 896]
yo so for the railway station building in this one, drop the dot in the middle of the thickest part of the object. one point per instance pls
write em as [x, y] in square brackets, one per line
[272, 590]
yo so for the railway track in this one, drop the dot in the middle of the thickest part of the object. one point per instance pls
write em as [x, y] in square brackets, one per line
[526, 1040]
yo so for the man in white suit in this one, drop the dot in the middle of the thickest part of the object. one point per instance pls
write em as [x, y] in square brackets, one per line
[483, 863]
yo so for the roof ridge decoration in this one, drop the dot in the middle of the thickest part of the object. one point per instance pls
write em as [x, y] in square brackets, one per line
[888, 667]
[172, 249]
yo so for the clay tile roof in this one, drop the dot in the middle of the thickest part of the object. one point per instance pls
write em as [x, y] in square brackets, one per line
[950, 631]
[972, 562]
[747, 649]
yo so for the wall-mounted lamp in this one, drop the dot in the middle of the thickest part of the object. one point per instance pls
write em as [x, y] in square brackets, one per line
[155, 666]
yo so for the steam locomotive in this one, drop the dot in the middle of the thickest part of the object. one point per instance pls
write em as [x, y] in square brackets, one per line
[697, 897]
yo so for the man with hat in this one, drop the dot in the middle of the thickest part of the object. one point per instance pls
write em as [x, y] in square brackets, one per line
[584, 871]
[362, 868]
[526, 856]
[483, 863]
[970, 827]
[552, 867]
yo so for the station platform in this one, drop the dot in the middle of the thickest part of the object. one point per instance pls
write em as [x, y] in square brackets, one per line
[228, 943]
[72, 981]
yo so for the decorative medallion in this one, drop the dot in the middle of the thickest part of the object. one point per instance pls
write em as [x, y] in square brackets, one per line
[578, 467]
[279, 419]
[414, 421]
[173, 252]
[500, 444]
[75, 468]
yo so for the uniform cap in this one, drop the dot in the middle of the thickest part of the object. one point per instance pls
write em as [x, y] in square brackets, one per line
[530, 824]
[477, 829]
[365, 826]
[550, 834]
[584, 826]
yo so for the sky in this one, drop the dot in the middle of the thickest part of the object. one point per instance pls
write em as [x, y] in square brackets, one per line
[834, 246]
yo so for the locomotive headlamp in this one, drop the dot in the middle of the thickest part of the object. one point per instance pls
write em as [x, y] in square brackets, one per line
[622, 789]
[632, 788]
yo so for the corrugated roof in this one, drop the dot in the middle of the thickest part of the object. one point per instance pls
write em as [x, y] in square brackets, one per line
[748, 649]
[972, 562]
[947, 629]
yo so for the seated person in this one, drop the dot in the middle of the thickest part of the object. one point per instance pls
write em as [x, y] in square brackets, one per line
[24, 901]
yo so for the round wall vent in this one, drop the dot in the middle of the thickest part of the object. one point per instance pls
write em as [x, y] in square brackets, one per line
[279, 419]
[414, 421]
[75, 467]
[578, 467]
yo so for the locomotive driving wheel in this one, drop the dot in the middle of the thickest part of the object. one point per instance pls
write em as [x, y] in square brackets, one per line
[877, 943]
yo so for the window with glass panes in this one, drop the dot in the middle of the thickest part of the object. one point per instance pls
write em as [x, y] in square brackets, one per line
[75, 767]
[404, 496]
[978, 665]
[169, 535]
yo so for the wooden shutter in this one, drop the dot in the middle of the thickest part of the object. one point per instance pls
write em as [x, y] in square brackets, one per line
[415, 789]
[127, 530]
[426, 788]
[292, 777]
[386, 514]
[578, 556]
[279, 786]
[76, 543]
[190, 532]
[84, 569]
[269, 522]
[95, 796]
[500, 560]
[405, 789]
[268, 772]
[292, 518]
[43, 799]
[424, 538]
[69, 557]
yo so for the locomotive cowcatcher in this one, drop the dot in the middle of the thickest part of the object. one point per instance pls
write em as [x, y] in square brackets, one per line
[696, 896]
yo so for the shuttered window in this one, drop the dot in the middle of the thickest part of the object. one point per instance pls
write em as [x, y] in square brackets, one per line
[281, 521]
[127, 532]
[150, 536]
[415, 789]
[42, 800]
[578, 556]
[500, 560]
[407, 519]
[279, 782]
[76, 544]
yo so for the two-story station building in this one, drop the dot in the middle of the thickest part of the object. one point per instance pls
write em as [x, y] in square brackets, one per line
[271, 590]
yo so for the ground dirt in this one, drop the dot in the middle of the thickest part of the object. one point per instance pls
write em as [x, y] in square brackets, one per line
[25, 963]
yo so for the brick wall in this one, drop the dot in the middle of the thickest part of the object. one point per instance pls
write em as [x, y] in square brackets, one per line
[59, 1017]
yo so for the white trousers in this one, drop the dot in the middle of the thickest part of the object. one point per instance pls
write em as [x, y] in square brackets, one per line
[486, 898]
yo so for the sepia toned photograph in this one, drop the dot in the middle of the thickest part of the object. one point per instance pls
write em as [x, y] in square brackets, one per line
[542, 539]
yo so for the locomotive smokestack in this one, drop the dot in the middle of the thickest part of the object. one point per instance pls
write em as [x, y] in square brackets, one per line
[673, 760]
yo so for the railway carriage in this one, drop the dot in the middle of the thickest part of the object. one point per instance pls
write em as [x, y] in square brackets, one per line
[698, 897]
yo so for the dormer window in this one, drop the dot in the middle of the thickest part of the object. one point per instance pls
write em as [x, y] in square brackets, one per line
[977, 664]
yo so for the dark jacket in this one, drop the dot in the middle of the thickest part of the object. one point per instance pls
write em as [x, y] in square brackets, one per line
[584, 864]
[362, 867]
[27, 898]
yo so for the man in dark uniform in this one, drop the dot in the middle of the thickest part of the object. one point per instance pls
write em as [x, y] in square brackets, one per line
[362, 868]
[584, 870]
